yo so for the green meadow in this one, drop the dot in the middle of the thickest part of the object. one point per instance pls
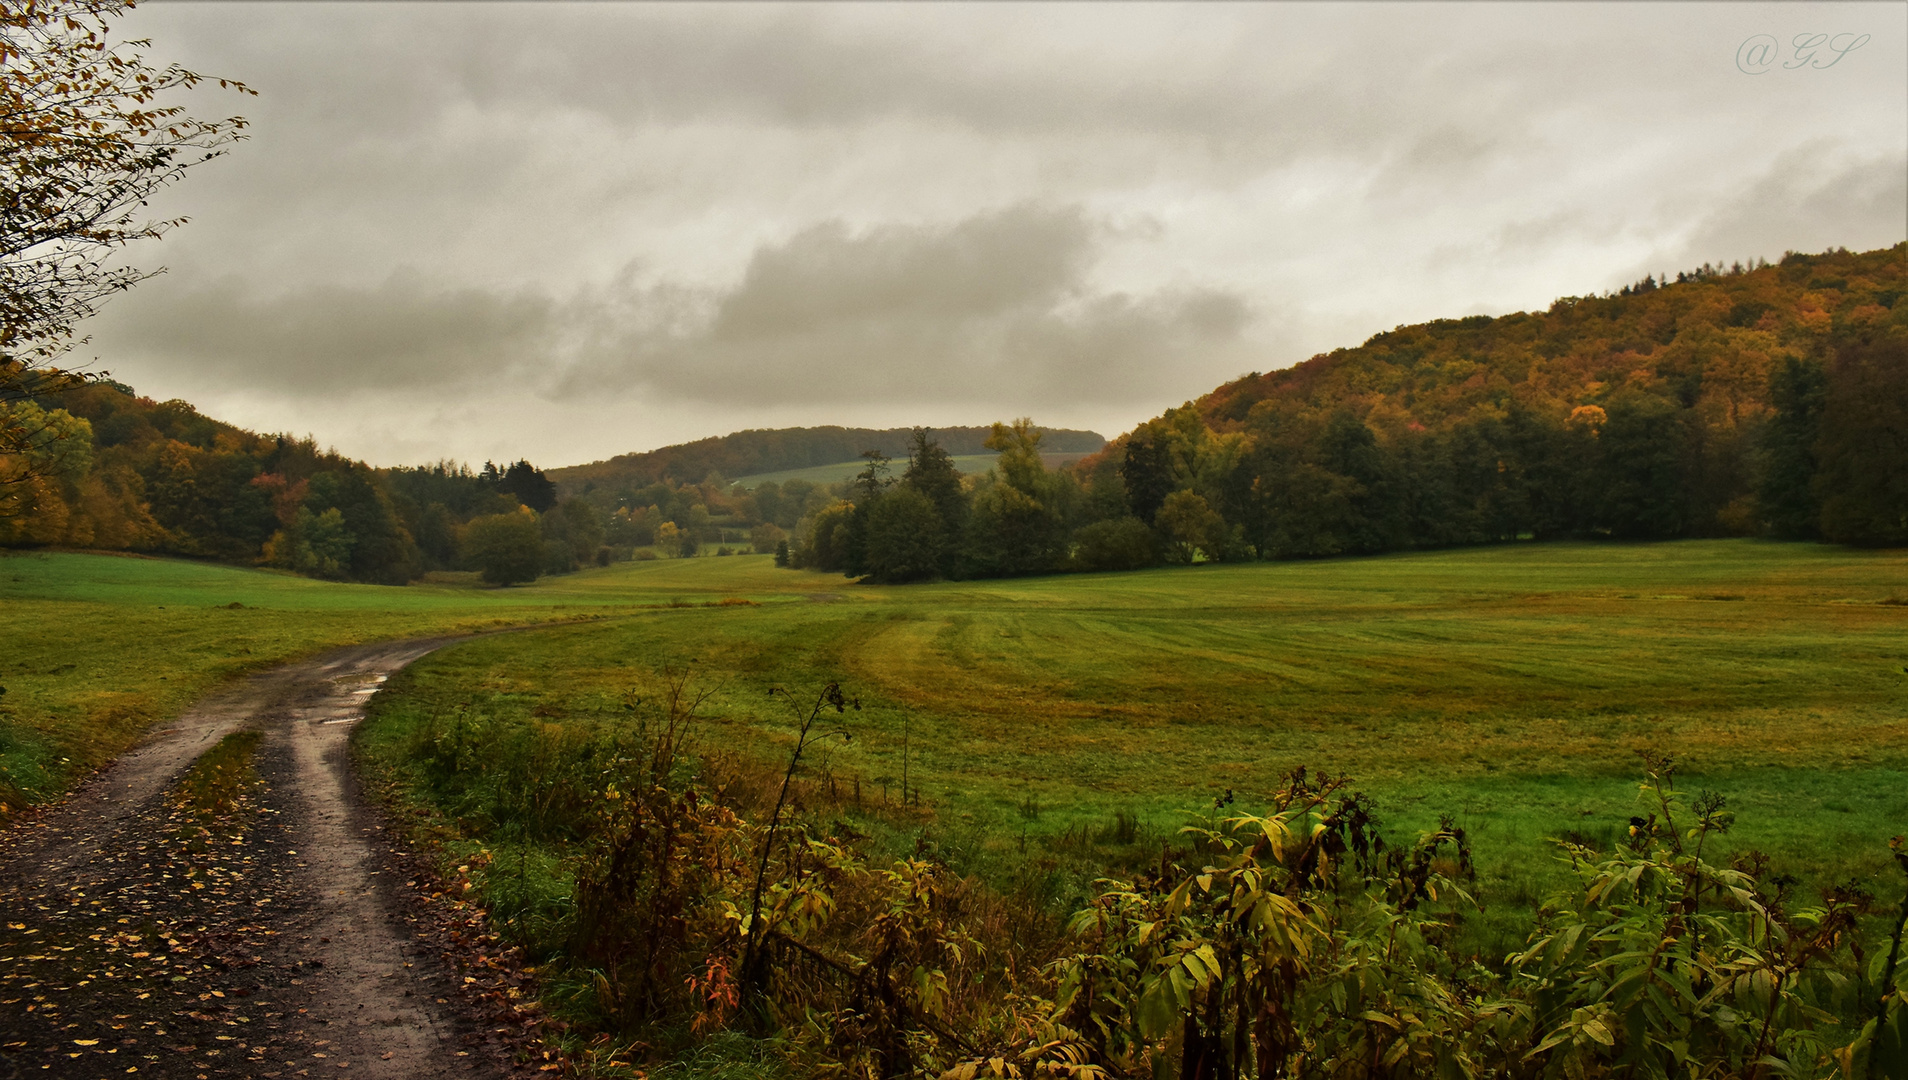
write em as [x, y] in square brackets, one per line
[1510, 687]
[94, 649]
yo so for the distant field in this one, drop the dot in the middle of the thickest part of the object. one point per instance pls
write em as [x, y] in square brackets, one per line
[845, 470]
[1511, 687]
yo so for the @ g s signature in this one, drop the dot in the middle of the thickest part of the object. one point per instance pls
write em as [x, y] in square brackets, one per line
[1762, 52]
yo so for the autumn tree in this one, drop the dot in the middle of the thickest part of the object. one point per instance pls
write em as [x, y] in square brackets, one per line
[1350, 449]
[865, 490]
[1123, 543]
[85, 143]
[1639, 468]
[316, 544]
[576, 529]
[54, 449]
[208, 502]
[383, 550]
[826, 540]
[1017, 523]
[1147, 472]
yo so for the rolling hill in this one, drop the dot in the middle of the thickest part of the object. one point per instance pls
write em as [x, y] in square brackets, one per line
[1764, 400]
[755, 452]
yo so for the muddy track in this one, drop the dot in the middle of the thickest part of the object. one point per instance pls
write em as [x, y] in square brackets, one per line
[292, 950]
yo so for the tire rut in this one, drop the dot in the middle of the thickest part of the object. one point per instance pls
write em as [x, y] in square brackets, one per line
[127, 947]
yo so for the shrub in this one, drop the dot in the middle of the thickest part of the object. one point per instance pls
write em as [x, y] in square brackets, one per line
[1121, 544]
[506, 548]
[1290, 940]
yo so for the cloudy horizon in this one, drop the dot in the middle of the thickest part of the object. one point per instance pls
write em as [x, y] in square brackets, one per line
[564, 232]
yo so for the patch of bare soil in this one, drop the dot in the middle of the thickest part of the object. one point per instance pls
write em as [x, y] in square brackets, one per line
[305, 945]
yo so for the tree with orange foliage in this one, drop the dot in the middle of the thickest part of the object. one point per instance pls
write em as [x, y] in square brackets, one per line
[84, 143]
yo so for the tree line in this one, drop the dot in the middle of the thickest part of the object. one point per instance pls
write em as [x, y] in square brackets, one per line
[1767, 401]
[115, 471]
[107, 469]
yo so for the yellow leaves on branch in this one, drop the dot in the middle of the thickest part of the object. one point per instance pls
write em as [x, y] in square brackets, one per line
[83, 147]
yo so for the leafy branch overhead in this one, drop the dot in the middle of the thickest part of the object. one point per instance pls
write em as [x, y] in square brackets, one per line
[86, 140]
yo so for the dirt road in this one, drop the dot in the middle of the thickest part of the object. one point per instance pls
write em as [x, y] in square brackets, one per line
[293, 950]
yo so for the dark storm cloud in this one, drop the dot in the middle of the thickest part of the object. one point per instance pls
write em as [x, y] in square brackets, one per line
[1231, 90]
[992, 308]
[1025, 258]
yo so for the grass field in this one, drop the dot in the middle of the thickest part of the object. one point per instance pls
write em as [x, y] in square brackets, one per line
[1511, 687]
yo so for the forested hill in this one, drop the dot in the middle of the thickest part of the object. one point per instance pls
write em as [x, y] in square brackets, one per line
[1770, 400]
[110, 470]
[746, 453]
[1708, 339]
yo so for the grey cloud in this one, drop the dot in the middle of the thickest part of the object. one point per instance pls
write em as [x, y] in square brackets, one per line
[1526, 238]
[336, 340]
[1236, 86]
[1261, 84]
[995, 309]
[1025, 257]
[1439, 160]
[1811, 198]
[421, 118]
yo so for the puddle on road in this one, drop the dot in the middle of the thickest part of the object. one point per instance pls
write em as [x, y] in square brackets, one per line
[358, 687]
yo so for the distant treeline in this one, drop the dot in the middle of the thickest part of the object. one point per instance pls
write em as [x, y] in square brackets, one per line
[114, 471]
[749, 453]
[1766, 401]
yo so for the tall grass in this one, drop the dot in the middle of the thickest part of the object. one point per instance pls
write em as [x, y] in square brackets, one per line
[681, 909]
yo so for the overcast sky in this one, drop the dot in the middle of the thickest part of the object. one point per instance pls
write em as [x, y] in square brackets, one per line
[494, 230]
